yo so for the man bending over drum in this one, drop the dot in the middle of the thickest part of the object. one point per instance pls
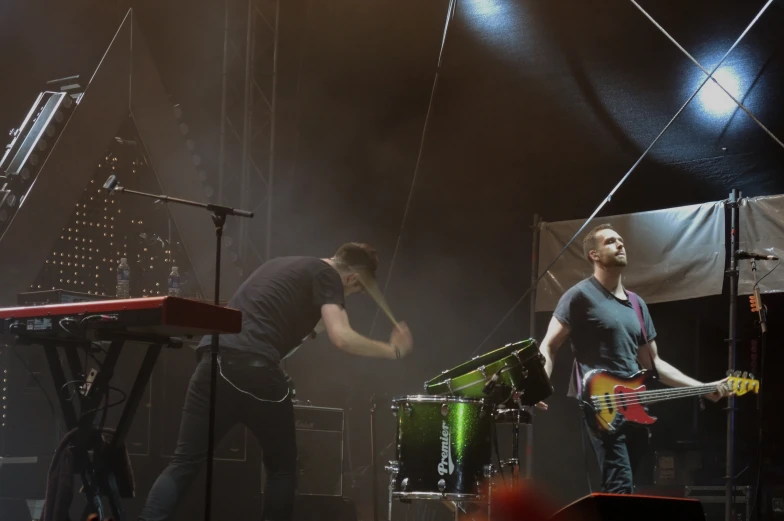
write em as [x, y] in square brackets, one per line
[281, 303]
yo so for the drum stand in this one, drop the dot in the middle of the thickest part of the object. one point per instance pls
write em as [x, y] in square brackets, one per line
[456, 506]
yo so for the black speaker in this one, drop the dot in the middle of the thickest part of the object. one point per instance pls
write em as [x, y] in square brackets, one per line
[622, 507]
[319, 432]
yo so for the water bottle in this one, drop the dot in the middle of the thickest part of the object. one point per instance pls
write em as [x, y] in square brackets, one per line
[123, 279]
[174, 282]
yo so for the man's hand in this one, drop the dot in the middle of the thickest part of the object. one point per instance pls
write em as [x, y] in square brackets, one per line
[401, 339]
[721, 390]
[541, 406]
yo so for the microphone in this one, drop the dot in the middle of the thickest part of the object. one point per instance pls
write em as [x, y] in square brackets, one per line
[741, 254]
[111, 183]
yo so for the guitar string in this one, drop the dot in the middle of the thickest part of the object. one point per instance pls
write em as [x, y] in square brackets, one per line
[676, 391]
[664, 392]
[629, 398]
[597, 400]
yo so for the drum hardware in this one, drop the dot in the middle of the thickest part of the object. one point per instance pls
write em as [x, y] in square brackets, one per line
[448, 456]
[515, 366]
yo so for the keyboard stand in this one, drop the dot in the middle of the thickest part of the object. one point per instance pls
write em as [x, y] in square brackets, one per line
[95, 461]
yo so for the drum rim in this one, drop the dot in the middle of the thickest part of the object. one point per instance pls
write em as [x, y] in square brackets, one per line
[439, 496]
[500, 355]
[437, 398]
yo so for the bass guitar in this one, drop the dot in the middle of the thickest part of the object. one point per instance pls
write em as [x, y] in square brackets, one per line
[610, 400]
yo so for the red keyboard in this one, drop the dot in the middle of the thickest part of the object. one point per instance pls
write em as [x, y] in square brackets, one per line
[154, 316]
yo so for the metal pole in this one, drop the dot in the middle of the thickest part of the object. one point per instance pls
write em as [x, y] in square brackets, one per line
[373, 467]
[534, 276]
[732, 341]
[529, 430]
[224, 103]
[246, 127]
[273, 118]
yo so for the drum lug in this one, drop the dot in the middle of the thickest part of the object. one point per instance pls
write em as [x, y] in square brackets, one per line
[441, 485]
[404, 483]
[393, 467]
[483, 371]
[394, 410]
[522, 366]
[444, 409]
[409, 410]
[449, 385]
[489, 471]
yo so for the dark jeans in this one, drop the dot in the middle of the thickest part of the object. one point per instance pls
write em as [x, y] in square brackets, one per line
[272, 424]
[618, 454]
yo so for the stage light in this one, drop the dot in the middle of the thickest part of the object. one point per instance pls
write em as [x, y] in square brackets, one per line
[500, 23]
[713, 100]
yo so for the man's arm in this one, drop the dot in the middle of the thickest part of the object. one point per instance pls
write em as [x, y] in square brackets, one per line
[557, 333]
[344, 337]
[648, 355]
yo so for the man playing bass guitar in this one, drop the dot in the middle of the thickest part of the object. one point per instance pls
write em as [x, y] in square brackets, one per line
[610, 329]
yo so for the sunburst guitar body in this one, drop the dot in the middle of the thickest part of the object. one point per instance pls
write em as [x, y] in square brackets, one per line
[611, 400]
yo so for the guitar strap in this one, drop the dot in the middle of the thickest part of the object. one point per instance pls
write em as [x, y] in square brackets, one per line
[635, 302]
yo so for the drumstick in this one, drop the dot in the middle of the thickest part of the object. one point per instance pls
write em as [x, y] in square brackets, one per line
[378, 298]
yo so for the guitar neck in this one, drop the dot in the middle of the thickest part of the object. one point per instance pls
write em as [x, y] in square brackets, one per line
[661, 395]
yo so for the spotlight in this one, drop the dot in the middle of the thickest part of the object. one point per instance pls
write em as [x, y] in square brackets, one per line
[713, 99]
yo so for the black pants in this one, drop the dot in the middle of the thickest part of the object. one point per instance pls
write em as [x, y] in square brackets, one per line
[618, 454]
[271, 422]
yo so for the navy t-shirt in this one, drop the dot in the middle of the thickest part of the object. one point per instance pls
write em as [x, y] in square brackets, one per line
[605, 330]
[281, 304]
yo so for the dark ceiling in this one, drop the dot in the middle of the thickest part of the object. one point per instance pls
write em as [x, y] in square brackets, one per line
[540, 107]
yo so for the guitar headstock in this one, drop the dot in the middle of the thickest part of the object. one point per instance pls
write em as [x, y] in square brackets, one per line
[741, 383]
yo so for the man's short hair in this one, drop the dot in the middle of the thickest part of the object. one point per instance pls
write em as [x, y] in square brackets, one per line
[358, 256]
[589, 242]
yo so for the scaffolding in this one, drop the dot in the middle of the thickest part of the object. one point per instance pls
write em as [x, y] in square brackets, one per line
[246, 162]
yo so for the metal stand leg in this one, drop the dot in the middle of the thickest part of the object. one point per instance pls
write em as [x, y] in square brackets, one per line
[514, 463]
[489, 498]
[391, 486]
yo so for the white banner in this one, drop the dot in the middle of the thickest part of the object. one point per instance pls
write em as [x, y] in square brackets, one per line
[673, 254]
[762, 231]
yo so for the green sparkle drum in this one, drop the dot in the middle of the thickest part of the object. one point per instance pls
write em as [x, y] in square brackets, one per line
[517, 367]
[443, 448]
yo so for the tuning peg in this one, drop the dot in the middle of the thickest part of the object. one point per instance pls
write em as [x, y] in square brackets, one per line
[736, 374]
[751, 376]
[745, 374]
[729, 372]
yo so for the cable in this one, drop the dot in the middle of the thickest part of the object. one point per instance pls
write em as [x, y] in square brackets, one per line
[220, 369]
[760, 424]
[450, 14]
[768, 273]
[108, 405]
[623, 179]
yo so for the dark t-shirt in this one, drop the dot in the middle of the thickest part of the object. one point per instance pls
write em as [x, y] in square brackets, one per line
[605, 330]
[281, 304]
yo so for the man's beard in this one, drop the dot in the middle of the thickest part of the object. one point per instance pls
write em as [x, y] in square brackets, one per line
[616, 261]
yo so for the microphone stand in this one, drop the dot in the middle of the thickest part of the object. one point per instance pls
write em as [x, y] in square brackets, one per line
[763, 319]
[219, 214]
[732, 340]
